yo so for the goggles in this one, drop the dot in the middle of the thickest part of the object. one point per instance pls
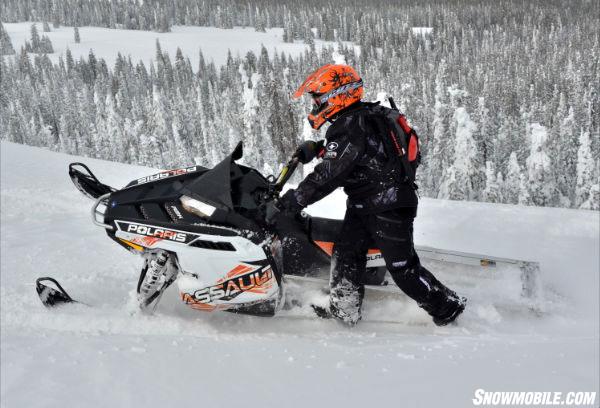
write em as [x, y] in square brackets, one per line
[320, 100]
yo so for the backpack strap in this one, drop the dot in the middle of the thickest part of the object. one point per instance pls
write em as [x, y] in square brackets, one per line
[392, 137]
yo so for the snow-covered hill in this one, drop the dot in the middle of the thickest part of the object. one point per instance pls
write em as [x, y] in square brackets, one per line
[110, 355]
[141, 45]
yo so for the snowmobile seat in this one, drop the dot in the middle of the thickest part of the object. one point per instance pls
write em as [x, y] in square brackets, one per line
[327, 230]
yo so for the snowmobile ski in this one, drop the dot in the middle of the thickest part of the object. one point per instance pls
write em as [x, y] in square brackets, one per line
[50, 296]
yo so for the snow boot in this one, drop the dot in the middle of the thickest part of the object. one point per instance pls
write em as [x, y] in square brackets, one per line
[455, 307]
[345, 300]
[324, 312]
[328, 312]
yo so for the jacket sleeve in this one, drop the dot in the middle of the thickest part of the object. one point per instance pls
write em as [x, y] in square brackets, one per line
[341, 154]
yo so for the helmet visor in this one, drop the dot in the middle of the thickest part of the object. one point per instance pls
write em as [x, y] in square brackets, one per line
[317, 105]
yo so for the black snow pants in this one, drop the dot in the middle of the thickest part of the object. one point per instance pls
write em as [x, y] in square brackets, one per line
[392, 233]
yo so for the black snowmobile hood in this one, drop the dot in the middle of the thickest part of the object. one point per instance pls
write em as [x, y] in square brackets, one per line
[214, 186]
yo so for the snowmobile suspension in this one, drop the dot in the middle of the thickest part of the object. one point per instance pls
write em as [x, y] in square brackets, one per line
[155, 269]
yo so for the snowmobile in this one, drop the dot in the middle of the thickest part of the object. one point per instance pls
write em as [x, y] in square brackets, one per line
[207, 230]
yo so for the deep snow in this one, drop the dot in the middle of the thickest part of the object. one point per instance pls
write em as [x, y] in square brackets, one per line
[110, 355]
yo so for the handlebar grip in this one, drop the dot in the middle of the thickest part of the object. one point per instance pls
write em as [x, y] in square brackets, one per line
[286, 174]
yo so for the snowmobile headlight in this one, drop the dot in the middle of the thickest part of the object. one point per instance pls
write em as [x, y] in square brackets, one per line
[197, 207]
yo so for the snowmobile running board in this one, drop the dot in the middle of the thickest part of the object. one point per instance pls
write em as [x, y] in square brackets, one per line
[530, 270]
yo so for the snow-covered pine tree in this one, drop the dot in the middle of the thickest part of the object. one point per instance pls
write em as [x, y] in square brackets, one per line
[217, 130]
[46, 45]
[160, 66]
[56, 14]
[114, 129]
[201, 140]
[439, 154]
[542, 187]
[593, 201]
[563, 150]
[458, 178]
[69, 60]
[232, 106]
[76, 35]
[183, 133]
[492, 192]
[6, 47]
[182, 71]
[500, 182]
[286, 35]
[162, 129]
[512, 183]
[586, 170]
[569, 148]
[35, 39]
[266, 132]
[259, 24]
[524, 196]
[252, 124]
[481, 136]
[163, 21]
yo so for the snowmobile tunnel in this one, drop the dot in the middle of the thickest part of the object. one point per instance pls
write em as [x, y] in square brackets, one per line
[323, 229]
[530, 270]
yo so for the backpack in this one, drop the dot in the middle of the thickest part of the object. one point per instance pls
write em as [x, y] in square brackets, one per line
[401, 142]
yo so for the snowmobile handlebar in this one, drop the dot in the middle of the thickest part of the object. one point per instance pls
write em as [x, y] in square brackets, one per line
[305, 153]
[285, 175]
[270, 204]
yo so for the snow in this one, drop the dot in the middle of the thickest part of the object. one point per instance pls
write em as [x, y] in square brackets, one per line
[339, 58]
[422, 30]
[112, 355]
[141, 45]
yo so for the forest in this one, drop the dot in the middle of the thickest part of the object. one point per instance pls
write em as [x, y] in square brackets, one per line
[504, 95]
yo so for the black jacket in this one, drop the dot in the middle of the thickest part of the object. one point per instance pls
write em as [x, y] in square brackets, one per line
[355, 159]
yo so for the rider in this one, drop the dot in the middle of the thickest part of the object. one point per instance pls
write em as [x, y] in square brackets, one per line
[380, 209]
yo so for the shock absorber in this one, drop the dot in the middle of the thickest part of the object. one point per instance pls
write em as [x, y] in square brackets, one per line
[156, 268]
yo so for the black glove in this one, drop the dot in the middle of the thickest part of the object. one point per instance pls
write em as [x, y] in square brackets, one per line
[289, 203]
[284, 206]
[272, 211]
[308, 150]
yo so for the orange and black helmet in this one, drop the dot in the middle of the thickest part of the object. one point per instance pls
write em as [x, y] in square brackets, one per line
[333, 88]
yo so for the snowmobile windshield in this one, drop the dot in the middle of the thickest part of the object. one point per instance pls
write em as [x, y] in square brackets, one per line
[214, 186]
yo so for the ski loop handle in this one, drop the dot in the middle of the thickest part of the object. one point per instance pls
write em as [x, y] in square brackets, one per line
[95, 213]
